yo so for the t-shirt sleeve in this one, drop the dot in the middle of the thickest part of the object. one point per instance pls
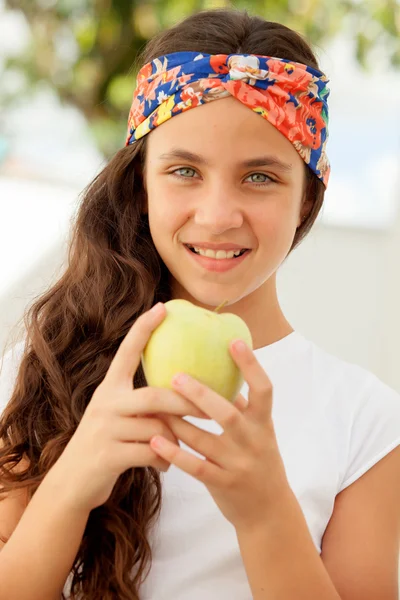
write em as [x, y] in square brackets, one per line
[8, 373]
[374, 429]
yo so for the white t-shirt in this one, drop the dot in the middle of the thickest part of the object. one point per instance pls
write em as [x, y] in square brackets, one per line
[333, 420]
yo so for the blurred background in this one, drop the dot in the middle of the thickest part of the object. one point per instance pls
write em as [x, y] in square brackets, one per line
[67, 76]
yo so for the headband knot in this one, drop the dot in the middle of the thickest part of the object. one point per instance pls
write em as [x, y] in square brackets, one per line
[245, 68]
[290, 95]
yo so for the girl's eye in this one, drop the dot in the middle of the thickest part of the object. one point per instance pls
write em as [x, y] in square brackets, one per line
[268, 180]
[183, 169]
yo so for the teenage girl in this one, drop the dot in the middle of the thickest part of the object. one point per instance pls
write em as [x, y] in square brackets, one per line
[112, 489]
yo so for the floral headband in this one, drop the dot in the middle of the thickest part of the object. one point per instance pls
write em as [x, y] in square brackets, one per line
[290, 95]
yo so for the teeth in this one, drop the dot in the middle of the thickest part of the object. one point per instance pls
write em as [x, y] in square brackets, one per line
[219, 254]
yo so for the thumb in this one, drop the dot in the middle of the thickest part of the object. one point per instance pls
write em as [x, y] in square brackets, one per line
[127, 358]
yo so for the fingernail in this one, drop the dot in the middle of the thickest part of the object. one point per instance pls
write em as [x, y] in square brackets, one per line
[157, 308]
[180, 379]
[157, 442]
[239, 345]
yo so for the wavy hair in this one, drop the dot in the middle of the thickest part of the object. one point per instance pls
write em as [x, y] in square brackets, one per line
[113, 274]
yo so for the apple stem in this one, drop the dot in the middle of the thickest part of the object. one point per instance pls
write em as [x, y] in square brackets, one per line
[220, 306]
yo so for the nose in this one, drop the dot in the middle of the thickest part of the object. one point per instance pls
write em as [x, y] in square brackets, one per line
[218, 211]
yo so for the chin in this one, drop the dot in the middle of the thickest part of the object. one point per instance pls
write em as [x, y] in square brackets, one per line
[209, 298]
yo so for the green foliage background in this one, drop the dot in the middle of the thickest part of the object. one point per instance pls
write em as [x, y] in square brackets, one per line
[85, 49]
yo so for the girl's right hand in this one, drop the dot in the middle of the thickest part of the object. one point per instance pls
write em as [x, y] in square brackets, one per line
[115, 430]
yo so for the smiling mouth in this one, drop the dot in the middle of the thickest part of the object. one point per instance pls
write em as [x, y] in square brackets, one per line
[217, 265]
[191, 248]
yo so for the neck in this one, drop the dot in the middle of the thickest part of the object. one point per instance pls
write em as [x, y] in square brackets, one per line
[260, 310]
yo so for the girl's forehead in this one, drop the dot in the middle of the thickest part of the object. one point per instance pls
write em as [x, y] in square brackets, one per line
[223, 126]
[224, 114]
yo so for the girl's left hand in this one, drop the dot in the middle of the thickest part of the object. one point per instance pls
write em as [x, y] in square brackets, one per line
[243, 469]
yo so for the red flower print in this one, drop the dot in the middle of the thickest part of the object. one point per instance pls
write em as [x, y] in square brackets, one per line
[218, 63]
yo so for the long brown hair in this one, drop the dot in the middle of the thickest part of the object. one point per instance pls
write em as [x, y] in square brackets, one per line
[114, 273]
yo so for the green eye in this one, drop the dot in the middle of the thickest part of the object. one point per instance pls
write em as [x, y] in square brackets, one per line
[178, 173]
[183, 169]
[265, 182]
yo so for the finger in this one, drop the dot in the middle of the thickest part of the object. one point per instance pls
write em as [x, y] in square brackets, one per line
[215, 406]
[201, 469]
[207, 444]
[138, 454]
[135, 429]
[127, 358]
[240, 403]
[260, 386]
[151, 400]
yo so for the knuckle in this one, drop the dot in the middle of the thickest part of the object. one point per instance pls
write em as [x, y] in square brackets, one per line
[242, 468]
[149, 396]
[201, 391]
[266, 388]
[232, 418]
[231, 481]
[200, 470]
[196, 438]
[258, 450]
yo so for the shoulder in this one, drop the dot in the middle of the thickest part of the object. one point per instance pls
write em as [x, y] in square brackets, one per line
[360, 547]
[361, 411]
[350, 384]
[360, 543]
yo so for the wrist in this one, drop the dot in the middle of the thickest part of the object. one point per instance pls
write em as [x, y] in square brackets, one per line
[58, 485]
[275, 517]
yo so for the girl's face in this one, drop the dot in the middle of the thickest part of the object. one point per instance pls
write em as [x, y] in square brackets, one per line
[215, 197]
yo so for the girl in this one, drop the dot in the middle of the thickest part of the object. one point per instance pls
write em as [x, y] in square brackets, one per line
[114, 489]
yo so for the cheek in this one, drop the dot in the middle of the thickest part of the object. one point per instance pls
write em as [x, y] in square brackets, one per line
[160, 201]
[276, 221]
[275, 230]
[166, 212]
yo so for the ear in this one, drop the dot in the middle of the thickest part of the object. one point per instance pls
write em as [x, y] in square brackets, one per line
[304, 212]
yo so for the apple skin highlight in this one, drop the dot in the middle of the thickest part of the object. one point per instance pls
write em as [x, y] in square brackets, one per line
[195, 340]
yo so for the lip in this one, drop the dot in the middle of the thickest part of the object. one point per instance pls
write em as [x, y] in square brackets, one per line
[215, 264]
[225, 246]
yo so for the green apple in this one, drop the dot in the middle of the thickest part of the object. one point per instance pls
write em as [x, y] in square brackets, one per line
[195, 340]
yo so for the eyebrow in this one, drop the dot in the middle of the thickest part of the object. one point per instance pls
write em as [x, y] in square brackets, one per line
[260, 161]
